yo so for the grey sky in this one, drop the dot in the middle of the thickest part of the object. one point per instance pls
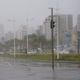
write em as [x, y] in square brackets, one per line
[34, 10]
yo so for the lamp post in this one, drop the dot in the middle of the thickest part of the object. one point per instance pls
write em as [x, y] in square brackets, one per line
[27, 40]
[27, 37]
[57, 27]
[13, 21]
[52, 36]
[78, 42]
[57, 38]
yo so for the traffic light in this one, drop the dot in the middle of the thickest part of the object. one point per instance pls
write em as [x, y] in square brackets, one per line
[52, 24]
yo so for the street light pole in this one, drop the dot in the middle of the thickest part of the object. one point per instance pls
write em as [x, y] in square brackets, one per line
[52, 30]
[13, 21]
[57, 38]
[14, 39]
[27, 36]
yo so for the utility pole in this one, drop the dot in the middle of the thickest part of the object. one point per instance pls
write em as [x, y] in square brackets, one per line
[27, 40]
[52, 36]
[13, 22]
[78, 42]
[57, 17]
[27, 37]
[57, 38]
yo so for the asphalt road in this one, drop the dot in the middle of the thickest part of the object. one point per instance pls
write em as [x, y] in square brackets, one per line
[28, 70]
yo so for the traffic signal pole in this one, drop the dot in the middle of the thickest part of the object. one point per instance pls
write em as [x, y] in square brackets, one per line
[52, 36]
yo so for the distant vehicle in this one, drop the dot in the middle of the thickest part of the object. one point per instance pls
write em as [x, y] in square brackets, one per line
[39, 50]
[32, 52]
[1, 52]
[55, 50]
[64, 52]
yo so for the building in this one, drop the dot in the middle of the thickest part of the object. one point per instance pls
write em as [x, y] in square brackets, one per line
[1, 30]
[45, 28]
[78, 23]
[63, 26]
[1, 33]
[9, 36]
[18, 34]
[76, 36]
[24, 30]
[21, 32]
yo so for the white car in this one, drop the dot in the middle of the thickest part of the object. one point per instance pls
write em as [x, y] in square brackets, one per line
[1, 52]
[64, 52]
[32, 52]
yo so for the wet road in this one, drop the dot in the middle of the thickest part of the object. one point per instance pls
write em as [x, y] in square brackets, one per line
[29, 70]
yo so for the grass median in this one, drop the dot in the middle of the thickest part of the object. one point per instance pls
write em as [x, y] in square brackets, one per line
[44, 57]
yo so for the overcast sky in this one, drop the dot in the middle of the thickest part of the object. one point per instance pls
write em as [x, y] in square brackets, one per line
[34, 10]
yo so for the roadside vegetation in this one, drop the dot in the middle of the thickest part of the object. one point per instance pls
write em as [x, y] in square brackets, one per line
[44, 57]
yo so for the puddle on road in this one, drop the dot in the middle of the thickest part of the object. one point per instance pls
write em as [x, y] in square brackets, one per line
[25, 70]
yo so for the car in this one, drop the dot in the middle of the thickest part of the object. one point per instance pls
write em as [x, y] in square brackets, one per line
[1, 52]
[32, 52]
[64, 52]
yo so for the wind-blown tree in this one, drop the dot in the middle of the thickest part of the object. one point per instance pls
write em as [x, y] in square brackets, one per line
[36, 41]
[10, 44]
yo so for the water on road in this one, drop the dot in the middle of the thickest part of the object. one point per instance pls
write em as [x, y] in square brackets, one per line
[30, 70]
